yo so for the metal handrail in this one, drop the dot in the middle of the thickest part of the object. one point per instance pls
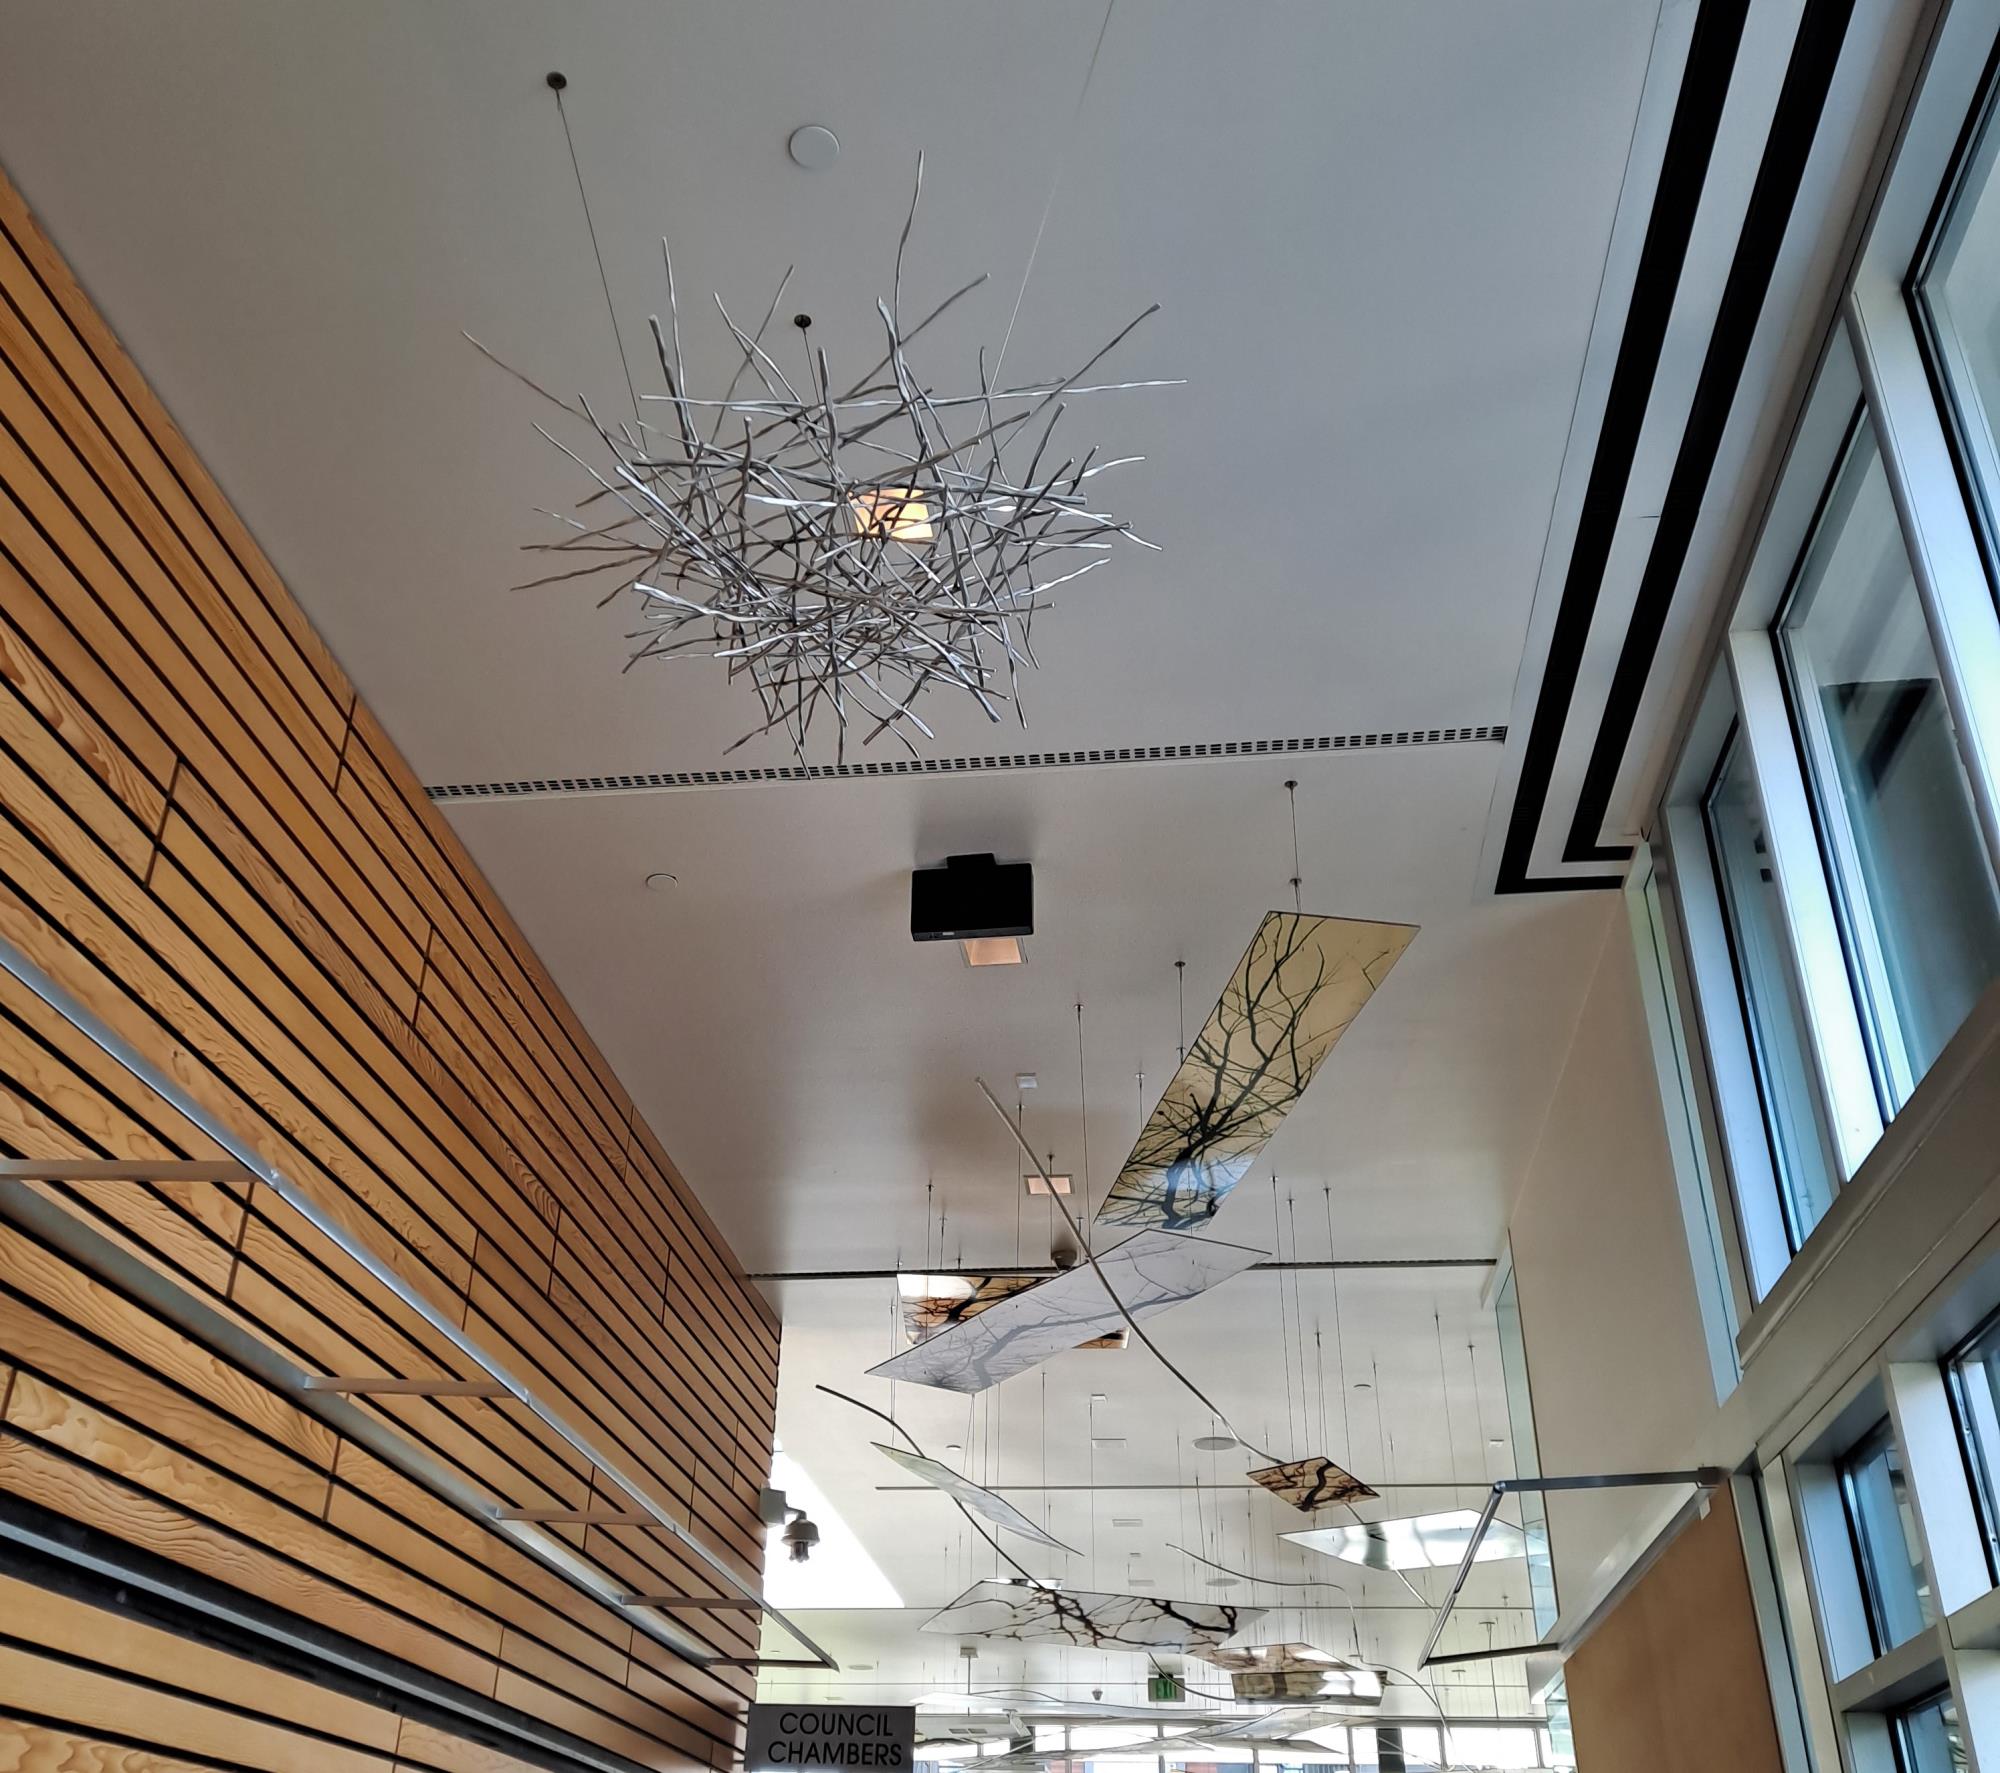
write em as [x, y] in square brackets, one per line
[250, 1164]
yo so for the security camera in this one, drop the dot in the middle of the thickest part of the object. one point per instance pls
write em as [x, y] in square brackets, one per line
[800, 1536]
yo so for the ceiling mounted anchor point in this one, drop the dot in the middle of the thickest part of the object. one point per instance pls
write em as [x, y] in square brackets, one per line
[556, 79]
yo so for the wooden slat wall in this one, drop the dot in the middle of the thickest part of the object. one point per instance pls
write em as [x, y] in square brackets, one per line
[208, 840]
[1673, 1680]
[85, 1691]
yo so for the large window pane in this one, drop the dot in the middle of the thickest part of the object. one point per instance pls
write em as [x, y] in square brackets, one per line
[1958, 298]
[1801, 1152]
[1885, 1538]
[1919, 908]
[1928, 1739]
[1974, 1372]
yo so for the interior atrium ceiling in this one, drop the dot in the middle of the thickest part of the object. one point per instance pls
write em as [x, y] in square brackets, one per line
[1376, 234]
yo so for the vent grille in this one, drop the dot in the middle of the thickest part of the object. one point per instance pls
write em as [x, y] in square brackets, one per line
[667, 781]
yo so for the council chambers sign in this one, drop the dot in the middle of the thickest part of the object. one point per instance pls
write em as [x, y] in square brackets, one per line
[783, 1737]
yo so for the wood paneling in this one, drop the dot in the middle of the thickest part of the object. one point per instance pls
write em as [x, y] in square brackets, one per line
[210, 843]
[83, 1690]
[1673, 1680]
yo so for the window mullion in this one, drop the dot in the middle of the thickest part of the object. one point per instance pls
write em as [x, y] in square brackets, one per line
[1937, 529]
[1753, 1182]
[1833, 1024]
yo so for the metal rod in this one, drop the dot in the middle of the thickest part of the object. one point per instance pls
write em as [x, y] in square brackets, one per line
[382, 1385]
[105, 1169]
[1127, 1489]
[708, 1603]
[763, 1662]
[441, 1316]
[1545, 1647]
[998, 1270]
[1704, 1478]
[577, 1517]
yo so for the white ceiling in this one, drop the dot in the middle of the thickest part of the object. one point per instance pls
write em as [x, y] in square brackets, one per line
[1376, 232]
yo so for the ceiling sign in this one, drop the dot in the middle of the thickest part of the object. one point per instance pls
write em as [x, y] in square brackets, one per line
[1299, 985]
[785, 1737]
[982, 1501]
[1029, 1613]
[1011, 1334]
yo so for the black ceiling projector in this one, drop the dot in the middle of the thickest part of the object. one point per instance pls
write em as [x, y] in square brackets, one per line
[972, 896]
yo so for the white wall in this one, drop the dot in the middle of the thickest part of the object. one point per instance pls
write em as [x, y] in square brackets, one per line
[1616, 1357]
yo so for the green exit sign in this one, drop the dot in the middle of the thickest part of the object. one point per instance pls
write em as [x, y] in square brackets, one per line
[1163, 1687]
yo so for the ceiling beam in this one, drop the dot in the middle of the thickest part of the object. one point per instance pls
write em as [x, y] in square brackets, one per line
[1303, 1267]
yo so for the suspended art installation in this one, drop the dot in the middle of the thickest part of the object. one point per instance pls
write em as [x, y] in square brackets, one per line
[932, 1302]
[1415, 1542]
[1299, 985]
[962, 1490]
[843, 545]
[1149, 1273]
[1034, 1614]
[1294, 1671]
[1308, 1484]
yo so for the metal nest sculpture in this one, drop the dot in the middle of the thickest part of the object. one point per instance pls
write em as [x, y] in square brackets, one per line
[843, 549]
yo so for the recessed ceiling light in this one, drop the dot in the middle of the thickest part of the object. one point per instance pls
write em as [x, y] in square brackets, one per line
[953, 1447]
[993, 951]
[1363, 1385]
[1495, 1441]
[1215, 1443]
[1026, 1080]
[660, 882]
[1097, 1397]
[813, 146]
[1107, 1440]
[1222, 1582]
[1126, 1520]
[1048, 1185]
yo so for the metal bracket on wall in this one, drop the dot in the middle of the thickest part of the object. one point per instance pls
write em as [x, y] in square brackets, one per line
[329, 1397]
[1705, 1479]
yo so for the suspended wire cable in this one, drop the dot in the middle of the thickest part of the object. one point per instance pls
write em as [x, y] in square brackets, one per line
[556, 84]
[1298, 904]
[1083, 1110]
[1055, 184]
[1180, 973]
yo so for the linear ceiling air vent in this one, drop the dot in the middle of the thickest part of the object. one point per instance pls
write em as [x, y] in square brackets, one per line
[670, 781]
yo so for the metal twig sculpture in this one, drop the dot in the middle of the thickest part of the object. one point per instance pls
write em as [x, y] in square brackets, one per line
[846, 551]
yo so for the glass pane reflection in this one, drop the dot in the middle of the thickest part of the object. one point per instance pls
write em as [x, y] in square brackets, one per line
[1920, 911]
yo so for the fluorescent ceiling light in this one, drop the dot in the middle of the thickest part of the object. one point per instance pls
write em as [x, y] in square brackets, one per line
[992, 951]
[1049, 1184]
[1416, 1542]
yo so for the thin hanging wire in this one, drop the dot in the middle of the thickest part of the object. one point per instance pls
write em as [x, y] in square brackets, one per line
[1180, 973]
[1444, 1393]
[1083, 1109]
[1284, 1328]
[610, 310]
[1055, 184]
[1298, 903]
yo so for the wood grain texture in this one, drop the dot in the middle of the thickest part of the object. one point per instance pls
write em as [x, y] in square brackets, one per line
[1673, 1680]
[213, 845]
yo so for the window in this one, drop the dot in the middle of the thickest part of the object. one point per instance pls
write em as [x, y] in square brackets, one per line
[1958, 306]
[1974, 1375]
[1801, 1152]
[1927, 1738]
[1894, 1593]
[1919, 910]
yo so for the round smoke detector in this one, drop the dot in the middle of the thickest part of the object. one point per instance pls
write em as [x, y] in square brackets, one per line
[813, 146]
[1215, 1443]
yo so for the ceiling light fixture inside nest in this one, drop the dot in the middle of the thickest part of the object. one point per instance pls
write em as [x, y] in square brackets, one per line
[843, 545]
